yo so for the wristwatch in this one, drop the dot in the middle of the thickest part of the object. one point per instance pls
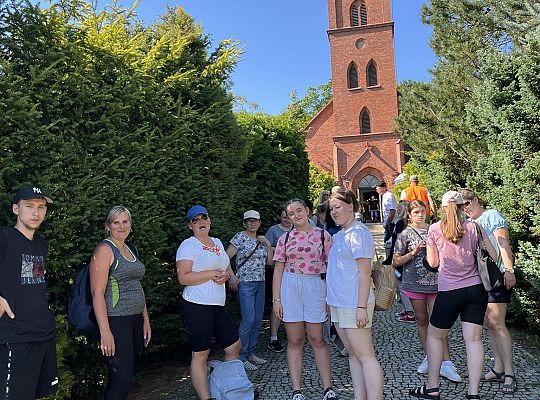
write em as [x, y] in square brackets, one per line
[510, 270]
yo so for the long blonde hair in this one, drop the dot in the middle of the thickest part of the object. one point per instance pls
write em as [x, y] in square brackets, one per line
[452, 221]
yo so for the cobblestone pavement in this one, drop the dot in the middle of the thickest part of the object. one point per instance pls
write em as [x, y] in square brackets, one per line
[399, 352]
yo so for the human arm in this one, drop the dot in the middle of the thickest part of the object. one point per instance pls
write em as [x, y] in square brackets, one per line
[147, 329]
[269, 249]
[503, 240]
[432, 255]
[4, 308]
[433, 208]
[276, 289]
[100, 265]
[402, 259]
[187, 277]
[364, 284]
[233, 280]
[390, 218]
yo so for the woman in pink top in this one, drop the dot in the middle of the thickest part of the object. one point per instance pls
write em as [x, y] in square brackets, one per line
[451, 247]
[299, 294]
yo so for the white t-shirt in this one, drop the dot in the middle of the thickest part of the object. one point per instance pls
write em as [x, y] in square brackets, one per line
[204, 258]
[389, 203]
[342, 276]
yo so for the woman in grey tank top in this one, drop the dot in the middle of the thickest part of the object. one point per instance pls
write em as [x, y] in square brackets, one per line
[119, 303]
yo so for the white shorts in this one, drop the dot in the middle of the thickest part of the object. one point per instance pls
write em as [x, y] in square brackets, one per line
[303, 298]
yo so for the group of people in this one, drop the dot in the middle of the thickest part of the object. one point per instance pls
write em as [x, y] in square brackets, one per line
[317, 275]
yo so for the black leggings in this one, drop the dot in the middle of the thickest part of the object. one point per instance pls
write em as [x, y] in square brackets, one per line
[128, 340]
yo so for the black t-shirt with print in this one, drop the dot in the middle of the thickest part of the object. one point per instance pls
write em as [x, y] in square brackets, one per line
[22, 284]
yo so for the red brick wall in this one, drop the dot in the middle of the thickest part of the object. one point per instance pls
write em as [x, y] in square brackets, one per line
[378, 11]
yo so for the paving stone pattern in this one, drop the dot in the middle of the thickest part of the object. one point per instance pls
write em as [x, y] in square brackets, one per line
[398, 350]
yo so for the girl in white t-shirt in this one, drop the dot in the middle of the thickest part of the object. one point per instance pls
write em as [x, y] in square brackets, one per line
[350, 297]
[202, 266]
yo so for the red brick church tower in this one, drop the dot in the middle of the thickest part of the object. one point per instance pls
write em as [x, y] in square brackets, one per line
[352, 136]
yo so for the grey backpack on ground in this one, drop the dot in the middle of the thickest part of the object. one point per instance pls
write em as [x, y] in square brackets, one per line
[228, 381]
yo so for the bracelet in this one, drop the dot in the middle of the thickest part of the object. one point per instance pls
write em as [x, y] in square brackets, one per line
[365, 308]
[275, 300]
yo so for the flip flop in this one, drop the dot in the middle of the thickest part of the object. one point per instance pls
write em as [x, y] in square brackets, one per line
[509, 388]
[499, 376]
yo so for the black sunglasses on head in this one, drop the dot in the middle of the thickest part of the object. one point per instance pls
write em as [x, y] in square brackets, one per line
[202, 217]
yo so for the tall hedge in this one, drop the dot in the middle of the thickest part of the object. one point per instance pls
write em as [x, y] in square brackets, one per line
[101, 110]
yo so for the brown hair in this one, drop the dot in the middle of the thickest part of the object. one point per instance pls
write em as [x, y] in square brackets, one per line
[412, 205]
[451, 223]
[469, 195]
[346, 196]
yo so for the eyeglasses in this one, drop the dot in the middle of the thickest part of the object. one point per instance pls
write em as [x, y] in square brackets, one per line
[466, 203]
[199, 218]
[252, 221]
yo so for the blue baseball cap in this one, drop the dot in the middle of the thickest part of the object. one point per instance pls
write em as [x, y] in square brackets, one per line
[194, 211]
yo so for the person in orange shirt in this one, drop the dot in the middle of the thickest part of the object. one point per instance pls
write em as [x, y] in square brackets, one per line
[417, 192]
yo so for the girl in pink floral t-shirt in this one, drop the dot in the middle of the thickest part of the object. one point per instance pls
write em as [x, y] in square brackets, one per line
[299, 293]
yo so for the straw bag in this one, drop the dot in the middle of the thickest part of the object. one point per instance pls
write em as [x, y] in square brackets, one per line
[384, 282]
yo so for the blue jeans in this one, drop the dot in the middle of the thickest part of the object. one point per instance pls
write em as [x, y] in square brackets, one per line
[251, 300]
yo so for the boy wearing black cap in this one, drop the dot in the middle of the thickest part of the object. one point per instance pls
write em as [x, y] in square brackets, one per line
[27, 328]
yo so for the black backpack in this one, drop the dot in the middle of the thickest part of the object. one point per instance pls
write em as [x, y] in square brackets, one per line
[80, 308]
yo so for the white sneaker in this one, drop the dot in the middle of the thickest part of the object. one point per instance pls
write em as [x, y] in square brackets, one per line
[256, 360]
[298, 396]
[248, 366]
[449, 371]
[423, 368]
[330, 394]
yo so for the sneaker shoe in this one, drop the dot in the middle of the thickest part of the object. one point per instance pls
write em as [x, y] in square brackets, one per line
[449, 371]
[256, 360]
[423, 368]
[275, 346]
[297, 395]
[329, 394]
[248, 366]
[409, 319]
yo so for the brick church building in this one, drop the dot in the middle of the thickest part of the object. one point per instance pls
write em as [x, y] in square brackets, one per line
[352, 136]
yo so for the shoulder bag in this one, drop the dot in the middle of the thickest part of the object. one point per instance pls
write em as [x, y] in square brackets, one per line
[491, 275]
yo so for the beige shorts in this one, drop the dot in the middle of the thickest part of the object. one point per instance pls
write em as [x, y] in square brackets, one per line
[346, 317]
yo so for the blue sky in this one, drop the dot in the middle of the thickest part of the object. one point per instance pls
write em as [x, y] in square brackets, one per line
[286, 45]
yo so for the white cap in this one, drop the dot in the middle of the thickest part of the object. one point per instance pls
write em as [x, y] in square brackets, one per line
[252, 214]
[452, 195]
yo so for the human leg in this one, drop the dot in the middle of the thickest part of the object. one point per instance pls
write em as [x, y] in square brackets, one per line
[500, 340]
[320, 351]
[422, 319]
[199, 373]
[472, 335]
[363, 363]
[257, 320]
[295, 351]
[246, 301]
[128, 337]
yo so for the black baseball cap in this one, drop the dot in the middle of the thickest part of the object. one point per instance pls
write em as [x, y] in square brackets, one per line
[29, 193]
[381, 184]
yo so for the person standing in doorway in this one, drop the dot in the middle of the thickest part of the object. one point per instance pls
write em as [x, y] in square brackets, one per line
[373, 205]
[27, 329]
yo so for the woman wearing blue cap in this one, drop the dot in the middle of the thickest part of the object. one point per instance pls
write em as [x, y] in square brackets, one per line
[202, 266]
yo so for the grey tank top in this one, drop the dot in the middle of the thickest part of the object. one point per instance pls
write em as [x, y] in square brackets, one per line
[124, 294]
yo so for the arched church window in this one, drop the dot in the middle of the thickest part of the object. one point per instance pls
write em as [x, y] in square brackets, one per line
[352, 76]
[368, 182]
[363, 14]
[365, 121]
[355, 15]
[371, 77]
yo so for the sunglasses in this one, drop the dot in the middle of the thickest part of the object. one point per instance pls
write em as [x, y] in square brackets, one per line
[199, 218]
[466, 203]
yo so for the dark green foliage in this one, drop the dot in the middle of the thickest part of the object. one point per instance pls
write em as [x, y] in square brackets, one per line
[101, 111]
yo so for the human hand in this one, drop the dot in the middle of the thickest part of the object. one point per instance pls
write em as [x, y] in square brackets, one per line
[4, 308]
[509, 280]
[147, 332]
[220, 277]
[361, 317]
[264, 240]
[233, 283]
[107, 344]
[278, 309]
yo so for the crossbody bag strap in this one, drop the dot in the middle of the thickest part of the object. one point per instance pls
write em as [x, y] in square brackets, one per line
[245, 260]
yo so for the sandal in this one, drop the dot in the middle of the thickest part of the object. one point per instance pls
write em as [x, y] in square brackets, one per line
[424, 393]
[499, 376]
[473, 396]
[509, 388]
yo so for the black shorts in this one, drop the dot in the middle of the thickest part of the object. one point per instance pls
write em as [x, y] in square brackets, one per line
[500, 295]
[28, 370]
[204, 322]
[469, 303]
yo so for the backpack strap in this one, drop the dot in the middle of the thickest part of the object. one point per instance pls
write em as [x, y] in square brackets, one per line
[116, 253]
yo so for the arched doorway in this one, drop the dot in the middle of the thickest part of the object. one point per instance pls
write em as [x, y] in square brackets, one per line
[366, 190]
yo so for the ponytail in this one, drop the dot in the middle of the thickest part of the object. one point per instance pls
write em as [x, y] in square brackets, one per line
[451, 224]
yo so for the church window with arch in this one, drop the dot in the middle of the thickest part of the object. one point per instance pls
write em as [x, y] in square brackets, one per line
[371, 74]
[355, 14]
[352, 76]
[363, 15]
[368, 182]
[365, 121]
